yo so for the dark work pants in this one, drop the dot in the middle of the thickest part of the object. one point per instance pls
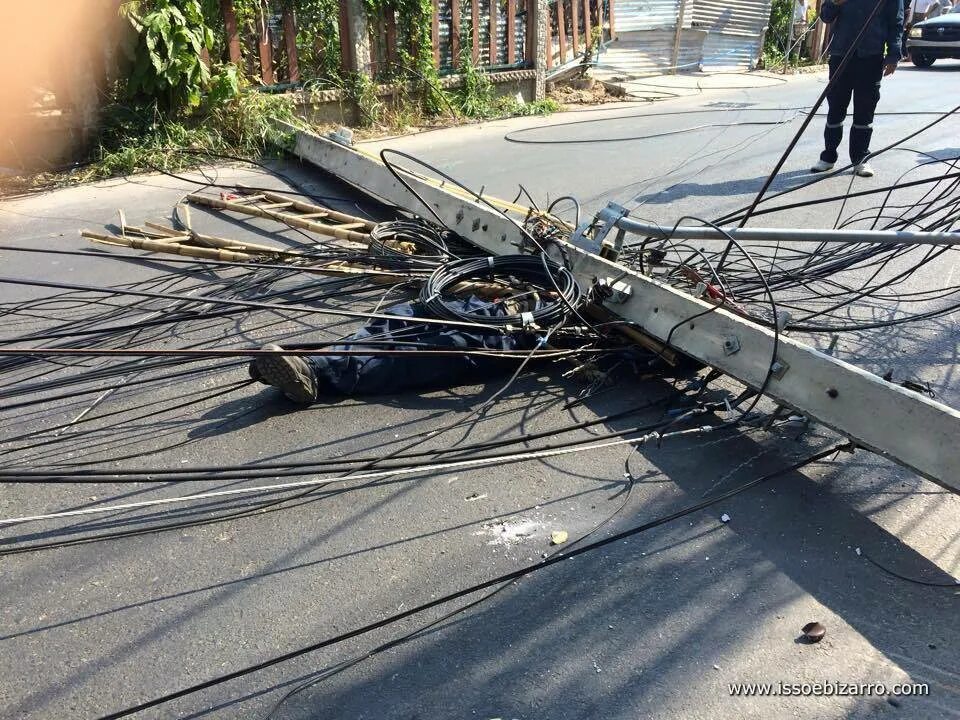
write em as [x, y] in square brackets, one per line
[861, 80]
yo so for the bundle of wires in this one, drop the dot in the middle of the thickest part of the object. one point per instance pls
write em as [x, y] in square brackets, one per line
[392, 239]
[539, 274]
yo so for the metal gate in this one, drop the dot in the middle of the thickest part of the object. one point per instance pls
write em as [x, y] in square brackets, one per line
[735, 32]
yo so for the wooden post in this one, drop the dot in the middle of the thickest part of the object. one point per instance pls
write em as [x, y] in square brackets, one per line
[475, 22]
[265, 46]
[230, 27]
[612, 15]
[290, 43]
[561, 27]
[494, 9]
[435, 33]
[455, 32]
[677, 37]
[511, 31]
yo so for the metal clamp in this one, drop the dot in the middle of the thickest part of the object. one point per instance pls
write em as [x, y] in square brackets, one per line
[591, 235]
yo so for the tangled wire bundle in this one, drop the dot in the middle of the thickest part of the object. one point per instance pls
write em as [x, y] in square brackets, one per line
[539, 274]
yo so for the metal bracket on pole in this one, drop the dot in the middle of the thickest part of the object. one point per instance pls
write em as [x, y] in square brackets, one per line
[591, 235]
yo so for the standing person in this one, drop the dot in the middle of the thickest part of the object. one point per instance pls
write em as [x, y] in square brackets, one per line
[875, 56]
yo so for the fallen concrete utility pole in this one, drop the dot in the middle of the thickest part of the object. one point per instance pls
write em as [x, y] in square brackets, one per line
[890, 420]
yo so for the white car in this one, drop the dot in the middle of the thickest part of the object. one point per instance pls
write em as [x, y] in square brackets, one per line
[936, 38]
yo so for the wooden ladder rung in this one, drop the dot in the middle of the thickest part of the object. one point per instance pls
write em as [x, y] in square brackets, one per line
[311, 215]
[247, 199]
[274, 206]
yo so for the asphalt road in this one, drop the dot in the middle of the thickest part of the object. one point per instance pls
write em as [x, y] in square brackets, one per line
[657, 626]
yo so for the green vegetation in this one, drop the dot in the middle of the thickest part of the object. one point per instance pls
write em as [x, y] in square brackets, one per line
[242, 125]
[178, 92]
[778, 38]
[166, 65]
[475, 98]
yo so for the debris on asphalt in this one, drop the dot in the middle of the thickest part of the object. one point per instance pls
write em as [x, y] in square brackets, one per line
[813, 632]
[558, 537]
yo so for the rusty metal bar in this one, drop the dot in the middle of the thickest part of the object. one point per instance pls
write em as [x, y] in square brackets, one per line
[511, 31]
[435, 33]
[391, 23]
[492, 40]
[346, 47]
[475, 36]
[549, 57]
[230, 28]
[587, 29]
[561, 27]
[575, 18]
[455, 32]
[290, 42]
[265, 47]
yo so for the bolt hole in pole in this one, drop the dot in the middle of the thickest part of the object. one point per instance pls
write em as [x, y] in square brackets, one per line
[833, 392]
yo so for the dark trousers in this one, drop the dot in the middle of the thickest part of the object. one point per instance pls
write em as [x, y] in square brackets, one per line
[861, 80]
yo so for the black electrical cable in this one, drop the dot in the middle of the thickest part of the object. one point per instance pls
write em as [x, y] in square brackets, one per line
[275, 505]
[524, 233]
[506, 577]
[396, 642]
[576, 205]
[512, 136]
[916, 581]
[541, 274]
[429, 247]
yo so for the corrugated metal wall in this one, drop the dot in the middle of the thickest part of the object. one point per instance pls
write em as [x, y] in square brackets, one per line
[734, 32]
[732, 39]
[450, 64]
[645, 14]
[650, 52]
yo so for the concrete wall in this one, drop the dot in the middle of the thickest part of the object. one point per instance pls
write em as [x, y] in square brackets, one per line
[329, 107]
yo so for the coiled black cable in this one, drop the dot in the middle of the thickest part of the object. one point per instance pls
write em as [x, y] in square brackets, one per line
[538, 273]
[430, 247]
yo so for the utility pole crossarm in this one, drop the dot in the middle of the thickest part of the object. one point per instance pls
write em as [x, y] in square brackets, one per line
[806, 235]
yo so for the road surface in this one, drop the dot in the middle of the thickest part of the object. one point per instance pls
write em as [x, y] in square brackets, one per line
[657, 626]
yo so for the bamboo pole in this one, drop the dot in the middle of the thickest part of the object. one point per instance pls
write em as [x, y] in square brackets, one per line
[335, 268]
[287, 219]
[171, 248]
[214, 241]
[318, 210]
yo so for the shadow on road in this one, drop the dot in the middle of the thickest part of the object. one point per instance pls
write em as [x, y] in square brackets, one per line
[742, 186]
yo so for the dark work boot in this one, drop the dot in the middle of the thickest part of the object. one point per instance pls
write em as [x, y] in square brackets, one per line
[289, 373]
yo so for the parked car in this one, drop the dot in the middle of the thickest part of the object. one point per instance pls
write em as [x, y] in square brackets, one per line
[936, 38]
